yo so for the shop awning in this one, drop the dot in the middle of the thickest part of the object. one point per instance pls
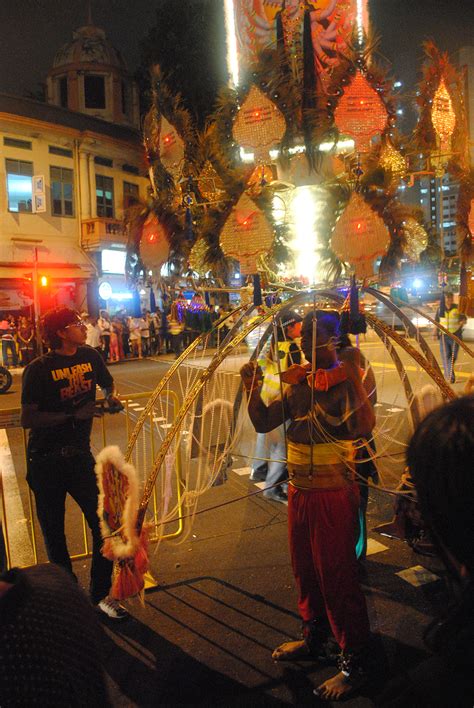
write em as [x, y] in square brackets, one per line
[58, 260]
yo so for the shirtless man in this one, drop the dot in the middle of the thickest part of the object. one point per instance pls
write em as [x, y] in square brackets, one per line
[329, 411]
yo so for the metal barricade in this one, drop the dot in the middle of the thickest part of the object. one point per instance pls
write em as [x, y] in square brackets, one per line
[103, 434]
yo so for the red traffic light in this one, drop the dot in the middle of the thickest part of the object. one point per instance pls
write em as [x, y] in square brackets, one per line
[44, 281]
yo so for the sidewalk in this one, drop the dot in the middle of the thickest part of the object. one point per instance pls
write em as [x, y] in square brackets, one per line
[226, 598]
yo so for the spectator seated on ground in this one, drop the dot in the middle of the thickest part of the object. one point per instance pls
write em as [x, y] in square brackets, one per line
[440, 459]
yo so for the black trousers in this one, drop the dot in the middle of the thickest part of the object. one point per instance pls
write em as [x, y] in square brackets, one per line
[51, 478]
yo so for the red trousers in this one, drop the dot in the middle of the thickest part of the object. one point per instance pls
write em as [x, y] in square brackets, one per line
[322, 528]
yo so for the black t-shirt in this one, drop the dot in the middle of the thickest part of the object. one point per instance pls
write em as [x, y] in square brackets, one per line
[57, 383]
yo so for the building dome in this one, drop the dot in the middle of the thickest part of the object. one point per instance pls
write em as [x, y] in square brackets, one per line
[90, 76]
[89, 45]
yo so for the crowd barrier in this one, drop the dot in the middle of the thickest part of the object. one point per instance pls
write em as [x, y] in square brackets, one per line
[106, 431]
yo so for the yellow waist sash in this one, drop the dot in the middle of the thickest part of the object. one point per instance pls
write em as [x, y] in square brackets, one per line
[331, 468]
[322, 453]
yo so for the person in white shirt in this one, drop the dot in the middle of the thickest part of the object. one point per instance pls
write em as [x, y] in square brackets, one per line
[135, 326]
[94, 333]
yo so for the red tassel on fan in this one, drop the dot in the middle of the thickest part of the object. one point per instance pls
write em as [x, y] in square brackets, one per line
[141, 556]
[127, 582]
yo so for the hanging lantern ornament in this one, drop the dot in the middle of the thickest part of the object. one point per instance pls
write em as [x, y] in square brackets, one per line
[246, 235]
[391, 160]
[416, 239]
[259, 125]
[443, 116]
[360, 113]
[154, 245]
[171, 149]
[360, 236]
[210, 184]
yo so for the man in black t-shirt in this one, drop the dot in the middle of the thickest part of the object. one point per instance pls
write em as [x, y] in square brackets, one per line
[58, 406]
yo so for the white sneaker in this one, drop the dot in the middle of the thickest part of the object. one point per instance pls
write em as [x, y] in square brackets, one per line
[112, 608]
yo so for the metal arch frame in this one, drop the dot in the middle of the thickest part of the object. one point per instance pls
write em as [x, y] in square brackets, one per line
[157, 391]
[378, 326]
[188, 400]
[442, 329]
[412, 330]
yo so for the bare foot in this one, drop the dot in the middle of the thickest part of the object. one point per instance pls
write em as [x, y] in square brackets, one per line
[337, 687]
[291, 651]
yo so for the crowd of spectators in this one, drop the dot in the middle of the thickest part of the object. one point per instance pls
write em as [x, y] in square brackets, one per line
[120, 336]
[18, 340]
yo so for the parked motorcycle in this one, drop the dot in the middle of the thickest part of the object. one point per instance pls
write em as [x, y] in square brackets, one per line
[5, 379]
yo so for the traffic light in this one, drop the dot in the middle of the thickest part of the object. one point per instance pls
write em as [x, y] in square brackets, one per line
[43, 281]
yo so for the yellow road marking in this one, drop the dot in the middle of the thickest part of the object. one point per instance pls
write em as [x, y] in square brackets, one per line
[408, 367]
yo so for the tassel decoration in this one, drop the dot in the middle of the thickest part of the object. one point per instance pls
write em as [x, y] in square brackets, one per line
[257, 290]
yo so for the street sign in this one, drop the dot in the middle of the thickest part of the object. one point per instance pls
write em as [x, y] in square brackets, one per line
[10, 418]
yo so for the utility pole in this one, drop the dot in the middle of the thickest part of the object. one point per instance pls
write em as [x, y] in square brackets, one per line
[36, 304]
[31, 243]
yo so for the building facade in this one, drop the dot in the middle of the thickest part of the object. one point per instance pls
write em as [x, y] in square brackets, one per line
[67, 172]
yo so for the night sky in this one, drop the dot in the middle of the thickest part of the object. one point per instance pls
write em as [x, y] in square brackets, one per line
[32, 30]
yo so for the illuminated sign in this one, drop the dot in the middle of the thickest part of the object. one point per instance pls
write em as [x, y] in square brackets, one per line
[105, 291]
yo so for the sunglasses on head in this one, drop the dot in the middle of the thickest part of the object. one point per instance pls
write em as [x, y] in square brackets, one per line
[77, 323]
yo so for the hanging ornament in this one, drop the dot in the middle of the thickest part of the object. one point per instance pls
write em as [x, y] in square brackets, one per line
[360, 236]
[443, 116]
[171, 149]
[392, 161]
[416, 239]
[197, 258]
[246, 235]
[154, 245]
[259, 124]
[210, 184]
[360, 113]
[260, 178]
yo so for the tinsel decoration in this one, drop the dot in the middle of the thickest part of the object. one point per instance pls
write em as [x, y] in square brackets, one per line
[197, 257]
[391, 160]
[154, 245]
[443, 116]
[210, 185]
[309, 68]
[246, 235]
[171, 149]
[259, 124]
[416, 239]
[361, 113]
[360, 236]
